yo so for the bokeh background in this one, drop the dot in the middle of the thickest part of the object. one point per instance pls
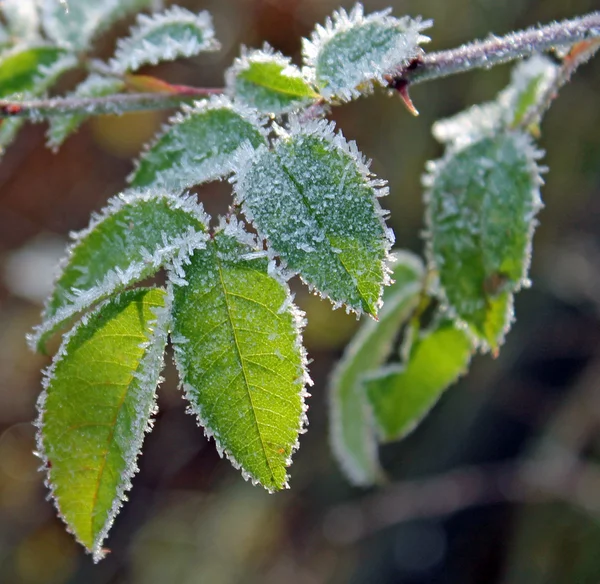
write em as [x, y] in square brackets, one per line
[191, 519]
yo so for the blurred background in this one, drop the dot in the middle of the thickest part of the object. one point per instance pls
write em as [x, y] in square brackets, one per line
[460, 506]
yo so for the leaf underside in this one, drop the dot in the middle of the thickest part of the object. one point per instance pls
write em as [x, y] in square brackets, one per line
[199, 146]
[401, 395]
[99, 396]
[482, 202]
[352, 434]
[239, 355]
[136, 235]
[311, 199]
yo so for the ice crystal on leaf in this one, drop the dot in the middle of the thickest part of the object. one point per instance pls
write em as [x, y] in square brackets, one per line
[98, 398]
[268, 81]
[133, 237]
[481, 205]
[238, 350]
[199, 145]
[352, 433]
[313, 200]
[352, 51]
[170, 35]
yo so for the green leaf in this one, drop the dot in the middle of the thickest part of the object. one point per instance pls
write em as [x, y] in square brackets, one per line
[401, 395]
[60, 127]
[352, 52]
[22, 19]
[75, 26]
[529, 82]
[167, 36]
[133, 237]
[239, 355]
[352, 433]
[269, 82]
[98, 399]
[31, 70]
[481, 207]
[200, 145]
[312, 199]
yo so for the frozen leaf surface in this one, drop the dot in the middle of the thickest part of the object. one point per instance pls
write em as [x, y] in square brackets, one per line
[313, 200]
[482, 201]
[98, 399]
[269, 82]
[239, 354]
[200, 144]
[22, 19]
[530, 80]
[76, 25]
[352, 434]
[352, 51]
[131, 239]
[167, 36]
[401, 395]
[61, 127]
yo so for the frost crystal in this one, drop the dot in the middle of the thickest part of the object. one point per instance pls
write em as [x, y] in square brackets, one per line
[352, 51]
[313, 200]
[22, 18]
[268, 81]
[200, 144]
[167, 36]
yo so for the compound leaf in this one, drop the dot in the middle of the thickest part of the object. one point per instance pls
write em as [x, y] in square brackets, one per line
[75, 26]
[481, 206]
[200, 144]
[269, 82]
[353, 51]
[61, 127]
[167, 36]
[98, 399]
[312, 199]
[401, 395]
[352, 433]
[239, 355]
[133, 237]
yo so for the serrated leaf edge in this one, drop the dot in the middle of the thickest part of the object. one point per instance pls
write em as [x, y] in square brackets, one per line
[152, 361]
[135, 51]
[234, 228]
[175, 250]
[341, 21]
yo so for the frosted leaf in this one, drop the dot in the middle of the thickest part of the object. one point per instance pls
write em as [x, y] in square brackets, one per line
[167, 36]
[352, 51]
[530, 81]
[76, 26]
[133, 237]
[98, 399]
[352, 431]
[30, 70]
[238, 350]
[268, 81]
[21, 18]
[401, 395]
[312, 199]
[481, 206]
[199, 145]
[60, 127]
[9, 128]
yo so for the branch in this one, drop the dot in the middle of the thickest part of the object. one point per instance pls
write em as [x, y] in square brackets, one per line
[110, 104]
[479, 54]
[498, 50]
